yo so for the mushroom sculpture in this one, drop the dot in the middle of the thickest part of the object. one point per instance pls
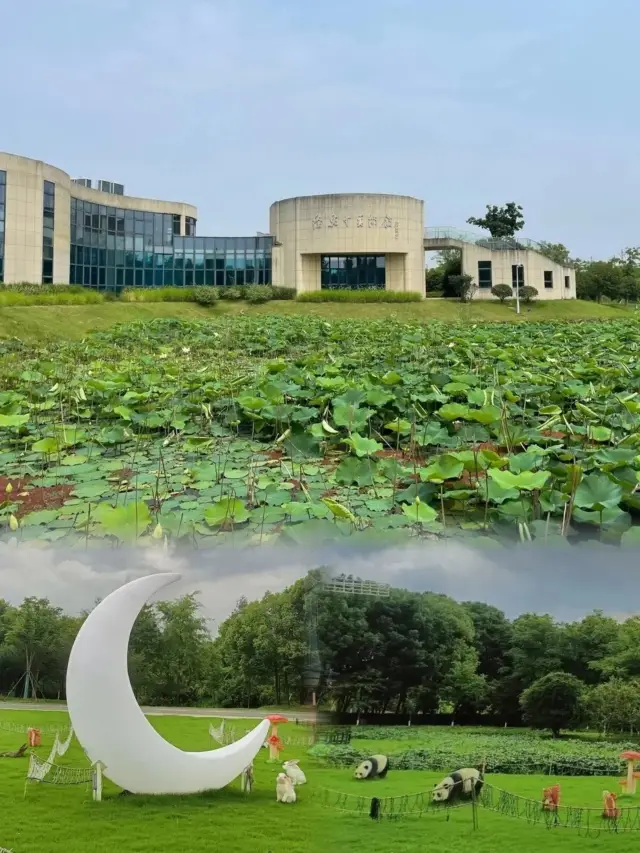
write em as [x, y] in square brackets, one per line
[275, 743]
[630, 756]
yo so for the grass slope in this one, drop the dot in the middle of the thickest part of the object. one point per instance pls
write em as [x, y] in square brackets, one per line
[32, 323]
[55, 818]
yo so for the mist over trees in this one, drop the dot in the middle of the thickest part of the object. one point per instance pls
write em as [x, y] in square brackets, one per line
[412, 653]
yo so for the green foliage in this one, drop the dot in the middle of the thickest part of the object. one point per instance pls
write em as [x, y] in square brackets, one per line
[158, 294]
[499, 221]
[617, 279]
[502, 292]
[205, 295]
[257, 294]
[556, 252]
[283, 292]
[292, 409]
[614, 705]
[462, 287]
[553, 702]
[358, 296]
[232, 293]
[528, 293]
[439, 278]
[47, 294]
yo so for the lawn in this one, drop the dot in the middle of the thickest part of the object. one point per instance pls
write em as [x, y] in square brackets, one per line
[71, 322]
[54, 818]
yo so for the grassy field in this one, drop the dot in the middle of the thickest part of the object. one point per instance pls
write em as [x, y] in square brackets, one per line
[71, 322]
[58, 818]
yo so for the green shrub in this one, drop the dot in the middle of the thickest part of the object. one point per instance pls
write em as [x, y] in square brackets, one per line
[528, 293]
[47, 294]
[158, 294]
[502, 292]
[206, 295]
[256, 294]
[359, 296]
[283, 292]
[231, 292]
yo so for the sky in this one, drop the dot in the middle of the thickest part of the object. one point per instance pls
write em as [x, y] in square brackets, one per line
[233, 104]
[567, 583]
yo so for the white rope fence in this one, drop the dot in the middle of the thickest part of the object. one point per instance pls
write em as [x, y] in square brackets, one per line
[19, 729]
[56, 774]
[225, 736]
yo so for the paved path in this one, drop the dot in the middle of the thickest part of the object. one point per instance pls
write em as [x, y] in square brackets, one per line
[248, 713]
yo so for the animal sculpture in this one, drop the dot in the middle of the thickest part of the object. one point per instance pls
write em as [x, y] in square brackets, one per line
[374, 767]
[294, 772]
[285, 792]
[460, 785]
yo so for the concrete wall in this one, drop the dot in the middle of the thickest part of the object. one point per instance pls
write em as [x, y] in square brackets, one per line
[351, 224]
[534, 265]
[23, 216]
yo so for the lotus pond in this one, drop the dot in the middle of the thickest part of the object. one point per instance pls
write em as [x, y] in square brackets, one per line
[263, 427]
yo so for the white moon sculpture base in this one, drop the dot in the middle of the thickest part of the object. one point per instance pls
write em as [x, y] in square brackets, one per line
[107, 719]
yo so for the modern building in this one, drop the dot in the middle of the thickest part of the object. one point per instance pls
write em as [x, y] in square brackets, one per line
[59, 230]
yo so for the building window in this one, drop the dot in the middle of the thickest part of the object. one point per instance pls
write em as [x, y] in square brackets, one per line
[48, 219]
[176, 224]
[548, 278]
[3, 196]
[517, 275]
[144, 252]
[189, 226]
[485, 278]
[567, 281]
[353, 272]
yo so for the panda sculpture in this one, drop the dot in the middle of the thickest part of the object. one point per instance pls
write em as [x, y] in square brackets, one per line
[459, 785]
[374, 767]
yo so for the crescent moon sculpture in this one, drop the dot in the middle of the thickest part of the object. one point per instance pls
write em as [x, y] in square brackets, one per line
[109, 723]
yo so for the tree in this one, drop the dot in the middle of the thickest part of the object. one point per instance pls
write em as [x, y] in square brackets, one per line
[585, 644]
[448, 264]
[553, 702]
[614, 705]
[492, 637]
[502, 221]
[556, 252]
[502, 292]
[462, 286]
[33, 635]
[623, 655]
[611, 279]
[183, 639]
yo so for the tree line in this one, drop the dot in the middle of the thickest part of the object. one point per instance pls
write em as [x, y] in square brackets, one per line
[616, 278]
[412, 653]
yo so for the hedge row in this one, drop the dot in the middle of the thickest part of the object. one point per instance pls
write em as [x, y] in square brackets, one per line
[255, 294]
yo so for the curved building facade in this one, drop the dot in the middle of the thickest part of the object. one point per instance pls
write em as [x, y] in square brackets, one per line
[349, 240]
[59, 230]
[47, 215]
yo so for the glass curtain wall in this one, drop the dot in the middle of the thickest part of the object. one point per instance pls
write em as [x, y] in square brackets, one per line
[221, 261]
[48, 222]
[3, 196]
[113, 248]
[353, 272]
